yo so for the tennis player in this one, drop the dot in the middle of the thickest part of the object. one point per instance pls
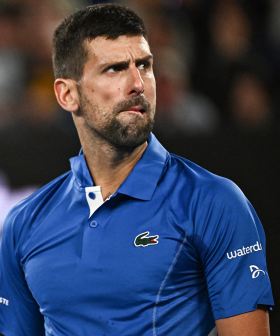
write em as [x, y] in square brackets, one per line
[133, 240]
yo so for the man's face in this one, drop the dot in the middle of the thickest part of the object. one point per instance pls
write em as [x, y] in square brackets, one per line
[117, 90]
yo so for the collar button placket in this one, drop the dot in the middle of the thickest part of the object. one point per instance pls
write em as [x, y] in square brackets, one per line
[94, 198]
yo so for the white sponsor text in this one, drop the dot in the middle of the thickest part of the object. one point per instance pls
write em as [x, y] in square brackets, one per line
[4, 301]
[244, 250]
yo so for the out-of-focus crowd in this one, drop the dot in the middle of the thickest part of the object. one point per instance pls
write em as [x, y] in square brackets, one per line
[26, 79]
[216, 65]
[27, 102]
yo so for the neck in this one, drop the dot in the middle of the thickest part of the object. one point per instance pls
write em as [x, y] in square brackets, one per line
[110, 165]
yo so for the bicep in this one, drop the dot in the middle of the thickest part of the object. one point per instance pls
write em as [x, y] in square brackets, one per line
[255, 323]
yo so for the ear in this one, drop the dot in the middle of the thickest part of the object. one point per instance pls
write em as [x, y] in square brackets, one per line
[67, 94]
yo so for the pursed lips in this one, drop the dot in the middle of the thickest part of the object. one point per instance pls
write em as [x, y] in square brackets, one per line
[139, 110]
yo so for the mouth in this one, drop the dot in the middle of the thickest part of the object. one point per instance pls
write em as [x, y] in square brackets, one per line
[138, 110]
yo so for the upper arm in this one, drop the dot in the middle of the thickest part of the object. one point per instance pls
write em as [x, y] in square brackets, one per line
[19, 311]
[231, 245]
[255, 323]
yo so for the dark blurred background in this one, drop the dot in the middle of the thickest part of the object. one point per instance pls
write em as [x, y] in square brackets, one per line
[218, 97]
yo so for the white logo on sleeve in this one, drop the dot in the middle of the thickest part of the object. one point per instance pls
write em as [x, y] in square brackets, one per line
[244, 250]
[4, 301]
[256, 271]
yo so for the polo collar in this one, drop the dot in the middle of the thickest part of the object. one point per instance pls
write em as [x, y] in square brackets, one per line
[80, 170]
[143, 179]
[141, 182]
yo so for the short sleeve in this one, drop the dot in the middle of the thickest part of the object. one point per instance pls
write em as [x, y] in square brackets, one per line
[231, 243]
[19, 312]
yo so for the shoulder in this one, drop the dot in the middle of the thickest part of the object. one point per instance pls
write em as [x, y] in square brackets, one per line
[21, 215]
[200, 199]
[199, 183]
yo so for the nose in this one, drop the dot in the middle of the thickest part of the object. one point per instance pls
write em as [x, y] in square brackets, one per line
[136, 85]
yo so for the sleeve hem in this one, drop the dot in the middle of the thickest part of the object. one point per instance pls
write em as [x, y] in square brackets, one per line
[238, 311]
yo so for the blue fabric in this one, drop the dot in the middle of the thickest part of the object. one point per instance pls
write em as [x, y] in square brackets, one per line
[205, 258]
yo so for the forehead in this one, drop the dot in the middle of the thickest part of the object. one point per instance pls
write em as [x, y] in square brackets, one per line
[122, 48]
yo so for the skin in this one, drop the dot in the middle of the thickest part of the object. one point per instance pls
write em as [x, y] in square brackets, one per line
[117, 82]
[255, 323]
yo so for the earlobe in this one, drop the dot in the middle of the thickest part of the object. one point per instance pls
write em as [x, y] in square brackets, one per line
[67, 94]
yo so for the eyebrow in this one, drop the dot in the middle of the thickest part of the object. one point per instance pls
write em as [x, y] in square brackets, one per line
[125, 64]
[144, 59]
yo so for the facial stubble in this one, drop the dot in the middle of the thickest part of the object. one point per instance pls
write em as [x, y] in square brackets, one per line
[113, 129]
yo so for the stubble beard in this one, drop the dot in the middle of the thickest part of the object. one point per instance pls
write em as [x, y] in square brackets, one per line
[114, 130]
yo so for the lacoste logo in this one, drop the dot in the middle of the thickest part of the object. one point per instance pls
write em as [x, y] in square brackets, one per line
[144, 240]
[256, 271]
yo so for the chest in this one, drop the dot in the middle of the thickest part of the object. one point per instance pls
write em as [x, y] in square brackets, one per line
[127, 251]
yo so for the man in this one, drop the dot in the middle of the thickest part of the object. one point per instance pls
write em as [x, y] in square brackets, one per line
[133, 240]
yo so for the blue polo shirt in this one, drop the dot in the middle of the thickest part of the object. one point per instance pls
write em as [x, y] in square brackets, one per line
[175, 248]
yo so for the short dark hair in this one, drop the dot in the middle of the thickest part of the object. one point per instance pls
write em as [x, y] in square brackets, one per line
[69, 43]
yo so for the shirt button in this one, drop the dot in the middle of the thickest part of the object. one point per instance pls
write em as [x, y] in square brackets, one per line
[92, 195]
[93, 224]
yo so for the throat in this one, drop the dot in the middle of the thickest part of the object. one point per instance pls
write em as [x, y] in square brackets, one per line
[109, 169]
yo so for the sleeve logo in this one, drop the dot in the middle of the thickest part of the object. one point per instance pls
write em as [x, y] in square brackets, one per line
[4, 301]
[244, 250]
[143, 239]
[255, 271]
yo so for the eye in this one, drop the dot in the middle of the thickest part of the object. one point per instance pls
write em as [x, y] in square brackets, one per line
[143, 65]
[116, 67]
[111, 69]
